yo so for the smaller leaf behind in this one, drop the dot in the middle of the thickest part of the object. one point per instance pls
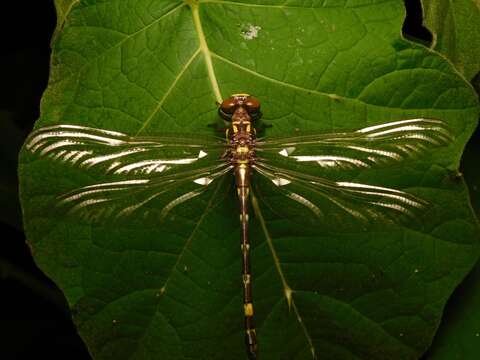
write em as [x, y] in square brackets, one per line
[455, 26]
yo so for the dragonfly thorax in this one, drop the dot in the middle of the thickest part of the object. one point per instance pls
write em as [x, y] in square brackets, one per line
[241, 136]
[242, 149]
[240, 110]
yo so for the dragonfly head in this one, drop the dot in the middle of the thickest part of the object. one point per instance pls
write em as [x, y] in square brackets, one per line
[240, 105]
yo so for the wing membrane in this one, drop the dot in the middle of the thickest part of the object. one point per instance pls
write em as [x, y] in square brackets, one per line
[322, 201]
[363, 148]
[118, 153]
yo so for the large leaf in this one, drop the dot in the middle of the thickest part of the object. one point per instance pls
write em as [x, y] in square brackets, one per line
[455, 27]
[172, 291]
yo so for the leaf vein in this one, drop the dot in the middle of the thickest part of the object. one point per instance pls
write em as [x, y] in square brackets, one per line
[334, 97]
[286, 287]
[185, 246]
[167, 93]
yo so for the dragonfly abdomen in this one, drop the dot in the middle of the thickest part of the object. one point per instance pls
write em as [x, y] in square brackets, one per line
[242, 174]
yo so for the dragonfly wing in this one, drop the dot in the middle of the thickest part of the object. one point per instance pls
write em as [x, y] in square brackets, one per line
[145, 197]
[320, 201]
[363, 148]
[131, 175]
[117, 153]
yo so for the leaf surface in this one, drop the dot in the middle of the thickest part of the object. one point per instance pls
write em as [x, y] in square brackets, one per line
[173, 290]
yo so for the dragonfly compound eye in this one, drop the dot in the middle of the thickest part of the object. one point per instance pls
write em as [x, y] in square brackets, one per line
[227, 108]
[252, 104]
[253, 107]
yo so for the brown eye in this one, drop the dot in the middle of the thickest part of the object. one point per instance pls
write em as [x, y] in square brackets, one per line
[252, 104]
[228, 106]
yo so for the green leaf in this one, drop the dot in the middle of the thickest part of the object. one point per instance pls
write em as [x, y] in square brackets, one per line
[459, 334]
[455, 27]
[173, 290]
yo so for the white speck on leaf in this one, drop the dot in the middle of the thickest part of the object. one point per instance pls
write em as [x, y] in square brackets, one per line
[250, 32]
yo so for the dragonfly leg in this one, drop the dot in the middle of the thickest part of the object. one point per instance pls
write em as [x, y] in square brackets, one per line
[218, 127]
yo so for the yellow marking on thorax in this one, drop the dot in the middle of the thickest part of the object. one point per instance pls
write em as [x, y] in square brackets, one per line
[244, 122]
[242, 149]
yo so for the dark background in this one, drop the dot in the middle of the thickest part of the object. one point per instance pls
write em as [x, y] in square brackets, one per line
[34, 319]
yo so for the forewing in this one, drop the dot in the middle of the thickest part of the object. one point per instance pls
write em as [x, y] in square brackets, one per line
[364, 148]
[120, 154]
[317, 201]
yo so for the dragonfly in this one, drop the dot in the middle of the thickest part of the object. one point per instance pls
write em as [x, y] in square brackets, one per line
[303, 170]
